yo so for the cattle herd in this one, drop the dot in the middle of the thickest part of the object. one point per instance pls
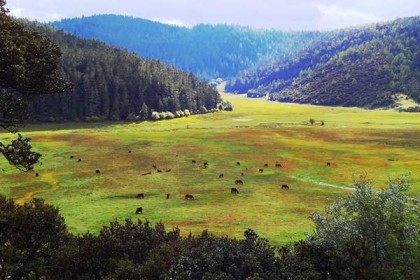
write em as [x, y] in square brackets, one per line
[205, 164]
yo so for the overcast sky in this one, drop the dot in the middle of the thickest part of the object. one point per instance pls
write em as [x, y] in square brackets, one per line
[277, 14]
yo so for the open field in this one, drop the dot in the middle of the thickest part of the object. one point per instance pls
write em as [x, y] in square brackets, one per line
[385, 144]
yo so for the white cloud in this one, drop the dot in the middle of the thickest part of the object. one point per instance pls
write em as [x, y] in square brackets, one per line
[333, 16]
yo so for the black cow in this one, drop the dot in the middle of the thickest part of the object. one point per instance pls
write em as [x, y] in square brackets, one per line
[189, 197]
[193, 161]
[168, 170]
[260, 170]
[234, 191]
[238, 163]
[140, 195]
[284, 187]
[239, 182]
[167, 195]
[36, 174]
[79, 160]
[159, 170]
[328, 163]
[71, 156]
[139, 210]
[278, 164]
[98, 171]
[242, 174]
[221, 175]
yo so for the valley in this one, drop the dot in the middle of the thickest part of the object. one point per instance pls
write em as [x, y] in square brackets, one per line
[382, 143]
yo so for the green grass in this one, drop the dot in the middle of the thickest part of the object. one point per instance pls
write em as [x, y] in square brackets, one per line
[382, 143]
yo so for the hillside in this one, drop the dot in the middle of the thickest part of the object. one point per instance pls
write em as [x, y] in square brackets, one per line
[361, 67]
[208, 51]
[112, 84]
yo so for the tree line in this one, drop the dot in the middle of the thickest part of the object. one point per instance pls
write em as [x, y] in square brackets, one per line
[114, 84]
[362, 66]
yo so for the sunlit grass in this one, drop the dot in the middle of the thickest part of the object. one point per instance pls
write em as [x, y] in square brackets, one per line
[382, 143]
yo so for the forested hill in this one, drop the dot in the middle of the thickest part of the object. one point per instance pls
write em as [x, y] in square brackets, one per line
[208, 51]
[112, 84]
[361, 67]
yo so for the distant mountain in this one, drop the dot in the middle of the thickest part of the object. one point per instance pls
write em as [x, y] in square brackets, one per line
[361, 67]
[208, 51]
[113, 84]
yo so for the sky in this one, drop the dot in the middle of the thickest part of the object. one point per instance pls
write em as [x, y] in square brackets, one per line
[258, 14]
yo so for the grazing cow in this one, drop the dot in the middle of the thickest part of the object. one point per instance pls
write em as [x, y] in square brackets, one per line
[140, 195]
[239, 182]
[167, 195]
[206, 164]
[154, 166]
[97, 171]
[284, 187]
[36, 174]
[260, 170]
[129, 151]
[221, 175]
[193, 161]
[189, 197]
[234, 190]
[238, 163]
[71, 156]
[79, 160]
[278, 164]
[328, 163]
[242, 174]
[139, 210]
[159, 170]
[266, 165]
[168, 170]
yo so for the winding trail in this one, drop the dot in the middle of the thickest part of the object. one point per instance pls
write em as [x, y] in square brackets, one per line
[323, 184]
[47, 178]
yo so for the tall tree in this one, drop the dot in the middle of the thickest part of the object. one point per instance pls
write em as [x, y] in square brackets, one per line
[29, 65]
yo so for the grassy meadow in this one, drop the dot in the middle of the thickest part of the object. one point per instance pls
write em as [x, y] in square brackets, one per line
[382, 143]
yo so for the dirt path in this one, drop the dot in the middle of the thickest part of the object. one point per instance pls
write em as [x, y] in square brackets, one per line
[47, 178]
[323, 184]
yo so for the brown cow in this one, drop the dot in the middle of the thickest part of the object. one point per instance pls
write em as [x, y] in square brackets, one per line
[260, 170]
[266, 165]
[139, 210]
[234, 191]
[189, 197]
[242, 174]
[239, 182]
[168, 170]
[221, 175]
[278, 164]
[284, 187]
[140, 195]
[154, 166]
